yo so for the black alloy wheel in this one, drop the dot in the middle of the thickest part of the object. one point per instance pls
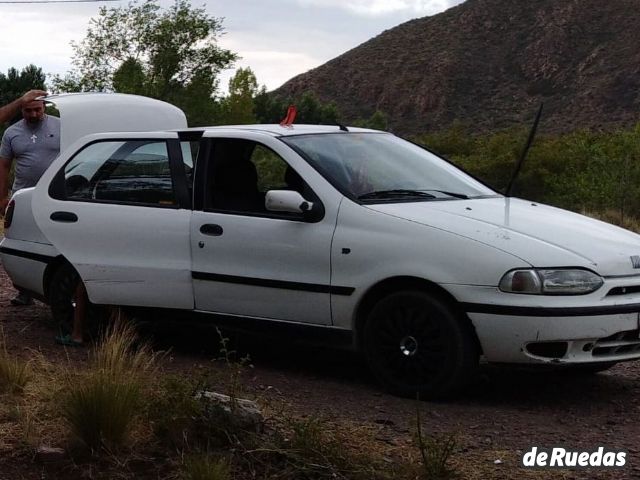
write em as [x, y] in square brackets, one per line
[416, 344]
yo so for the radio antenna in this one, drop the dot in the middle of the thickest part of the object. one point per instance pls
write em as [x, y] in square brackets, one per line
[532, 134]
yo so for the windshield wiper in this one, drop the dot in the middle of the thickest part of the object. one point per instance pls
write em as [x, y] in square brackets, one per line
[451, 194]
[398, 193]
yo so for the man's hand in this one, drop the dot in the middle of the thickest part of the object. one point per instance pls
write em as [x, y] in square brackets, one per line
[31, 95]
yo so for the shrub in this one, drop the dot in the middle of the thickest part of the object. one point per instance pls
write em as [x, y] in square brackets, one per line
[182, 420]
[580, 171]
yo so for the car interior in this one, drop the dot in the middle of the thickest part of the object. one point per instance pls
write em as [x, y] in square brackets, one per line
[243, 171]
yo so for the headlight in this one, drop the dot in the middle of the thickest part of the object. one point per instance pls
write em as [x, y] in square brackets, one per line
[550, 282]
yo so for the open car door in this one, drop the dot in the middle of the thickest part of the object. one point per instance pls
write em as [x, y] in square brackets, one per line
[115, 205]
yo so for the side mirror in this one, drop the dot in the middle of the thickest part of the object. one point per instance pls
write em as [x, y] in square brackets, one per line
[287, 201]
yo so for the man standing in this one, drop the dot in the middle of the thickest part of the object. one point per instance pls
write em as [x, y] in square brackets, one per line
[33, 143]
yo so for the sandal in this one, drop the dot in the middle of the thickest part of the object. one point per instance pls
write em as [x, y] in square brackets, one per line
[67, 341]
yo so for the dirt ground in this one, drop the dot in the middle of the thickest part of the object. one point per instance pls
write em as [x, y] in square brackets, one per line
[503, 415]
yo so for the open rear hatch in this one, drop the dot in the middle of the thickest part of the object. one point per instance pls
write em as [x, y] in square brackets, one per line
[86, 113]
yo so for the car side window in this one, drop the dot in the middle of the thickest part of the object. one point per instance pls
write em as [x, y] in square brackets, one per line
[242, 172]
[270, 168]
[135, 172]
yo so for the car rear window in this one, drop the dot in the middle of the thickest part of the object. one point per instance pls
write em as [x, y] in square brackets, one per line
[134, 172]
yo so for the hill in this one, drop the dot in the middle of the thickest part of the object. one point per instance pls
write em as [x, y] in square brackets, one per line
[488, 63]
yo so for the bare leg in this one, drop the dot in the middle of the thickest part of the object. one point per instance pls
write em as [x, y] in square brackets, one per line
[80, 297]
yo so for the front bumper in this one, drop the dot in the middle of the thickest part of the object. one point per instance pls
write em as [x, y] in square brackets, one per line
[603, 326]
[606, 338]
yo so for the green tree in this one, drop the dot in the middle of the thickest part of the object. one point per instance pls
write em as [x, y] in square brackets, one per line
[311, 110]
[377, 121]
[268, 108]
[170, 54]
[238, 106]
[130, 77]
[15, 82]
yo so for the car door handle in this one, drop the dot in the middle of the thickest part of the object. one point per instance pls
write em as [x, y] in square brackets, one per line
[211, 229]
[64, 217]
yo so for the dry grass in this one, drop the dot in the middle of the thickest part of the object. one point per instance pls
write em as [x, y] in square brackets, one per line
[294, 446]
[435, 451]
[311, 447]
[206, 467]
[120, 355]
[100, 405]
[14, 372]
[31, 419]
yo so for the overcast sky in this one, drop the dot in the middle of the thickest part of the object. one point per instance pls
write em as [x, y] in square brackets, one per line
[278, 39]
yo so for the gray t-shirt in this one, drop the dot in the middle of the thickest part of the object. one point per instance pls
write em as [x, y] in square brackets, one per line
[32, 147]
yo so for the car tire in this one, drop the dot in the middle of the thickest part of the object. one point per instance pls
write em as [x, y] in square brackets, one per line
[416, 344]
[62, 288]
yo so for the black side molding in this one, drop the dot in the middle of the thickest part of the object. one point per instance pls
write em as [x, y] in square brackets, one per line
[281, 284]
[551, 311]
[30, 255]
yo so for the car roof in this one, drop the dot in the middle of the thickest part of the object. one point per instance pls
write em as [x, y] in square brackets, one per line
[273, 130]
[286, 131]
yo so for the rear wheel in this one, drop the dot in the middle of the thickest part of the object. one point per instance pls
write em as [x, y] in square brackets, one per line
[62, 290]
[416, 344]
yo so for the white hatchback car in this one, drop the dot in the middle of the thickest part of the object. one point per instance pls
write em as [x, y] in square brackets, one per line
[343, 231]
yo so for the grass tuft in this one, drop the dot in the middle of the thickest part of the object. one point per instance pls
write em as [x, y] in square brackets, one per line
[435, 451]
[14, 373]
[100, 405]
[206, 467]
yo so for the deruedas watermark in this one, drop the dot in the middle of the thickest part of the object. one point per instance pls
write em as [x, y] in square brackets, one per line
[560, 457]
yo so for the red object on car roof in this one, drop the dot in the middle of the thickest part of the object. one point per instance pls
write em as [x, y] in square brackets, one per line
[287, 121]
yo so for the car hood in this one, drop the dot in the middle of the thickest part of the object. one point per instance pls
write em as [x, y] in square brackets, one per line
[540, 235]
[86, 113]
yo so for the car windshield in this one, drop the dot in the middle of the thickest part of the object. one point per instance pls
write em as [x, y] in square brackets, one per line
[380, 167]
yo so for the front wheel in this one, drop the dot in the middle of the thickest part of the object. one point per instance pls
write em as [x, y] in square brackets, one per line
[416, 344]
